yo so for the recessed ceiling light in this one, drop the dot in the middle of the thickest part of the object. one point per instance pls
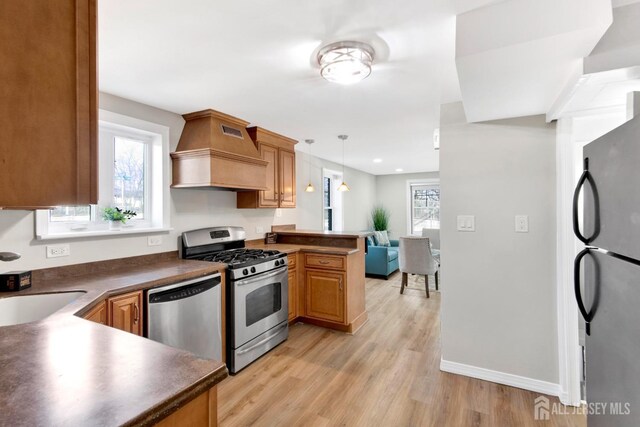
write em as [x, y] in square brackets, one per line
[345, 62]
[399, 170]
[377, 160]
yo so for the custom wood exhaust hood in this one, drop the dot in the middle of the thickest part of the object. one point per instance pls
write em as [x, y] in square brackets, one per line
[215, 150]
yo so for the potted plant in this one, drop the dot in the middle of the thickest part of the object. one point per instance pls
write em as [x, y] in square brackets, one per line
[380, 218]
[117, 217]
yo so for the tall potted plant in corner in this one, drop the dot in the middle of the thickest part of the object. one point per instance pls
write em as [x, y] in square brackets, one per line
[380, 221]
[117, 217]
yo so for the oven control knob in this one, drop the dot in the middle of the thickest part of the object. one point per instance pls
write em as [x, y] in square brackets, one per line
[281, 262]
[245, 271]
[253, 269]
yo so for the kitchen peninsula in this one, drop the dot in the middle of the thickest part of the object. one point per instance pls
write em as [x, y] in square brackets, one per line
[326, 276]
[68, 370]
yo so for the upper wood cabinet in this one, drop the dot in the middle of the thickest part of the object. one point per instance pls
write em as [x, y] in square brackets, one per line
[279, 151]
[125, 312]
[49, 103]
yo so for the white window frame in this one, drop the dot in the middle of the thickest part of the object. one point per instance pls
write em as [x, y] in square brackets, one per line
[413, 182]
[157, 182]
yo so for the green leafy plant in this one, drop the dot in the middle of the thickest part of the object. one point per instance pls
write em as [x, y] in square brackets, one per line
[380, 218]
[117, 214]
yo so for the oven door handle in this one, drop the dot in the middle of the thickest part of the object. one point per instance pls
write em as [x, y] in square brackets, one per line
[265, 339]
[261, 276]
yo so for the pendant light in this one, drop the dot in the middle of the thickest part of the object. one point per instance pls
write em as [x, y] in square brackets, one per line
[310, 188]
[343, 186]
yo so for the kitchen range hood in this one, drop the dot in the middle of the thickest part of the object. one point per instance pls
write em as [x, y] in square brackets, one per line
[215, 150]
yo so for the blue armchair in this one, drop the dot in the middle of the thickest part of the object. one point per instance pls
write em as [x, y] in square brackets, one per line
[382, 260]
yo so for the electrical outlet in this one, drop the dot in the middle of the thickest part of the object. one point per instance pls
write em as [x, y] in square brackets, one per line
[278, 213]
[55, 251]
[154, 240]
[522, 223]
[259, 230]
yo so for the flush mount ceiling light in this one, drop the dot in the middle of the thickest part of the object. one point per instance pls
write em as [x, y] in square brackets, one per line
[377, 160]
[310, 188]
[343, 186]
[345, 62]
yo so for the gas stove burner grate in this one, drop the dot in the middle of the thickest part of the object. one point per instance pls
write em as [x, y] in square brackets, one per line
[237, 256]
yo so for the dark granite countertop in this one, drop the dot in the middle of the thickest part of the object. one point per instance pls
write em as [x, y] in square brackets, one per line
[290, 248]
[67, 371]
[349, 234]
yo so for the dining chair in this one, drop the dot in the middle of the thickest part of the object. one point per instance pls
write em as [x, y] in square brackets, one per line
[415, 257]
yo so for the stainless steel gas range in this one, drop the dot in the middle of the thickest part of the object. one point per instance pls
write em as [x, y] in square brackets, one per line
[257, 291]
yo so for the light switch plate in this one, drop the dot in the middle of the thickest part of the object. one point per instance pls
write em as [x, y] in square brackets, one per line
[259, 230]
[466, 223]
[522, 223]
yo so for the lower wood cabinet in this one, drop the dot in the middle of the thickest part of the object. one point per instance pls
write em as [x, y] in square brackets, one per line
[200, 412]
[98, 313]
[293, 294]
[325, 295]
[125, 312]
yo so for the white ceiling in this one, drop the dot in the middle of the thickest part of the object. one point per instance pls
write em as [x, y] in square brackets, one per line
[254, 60]
[521, 66]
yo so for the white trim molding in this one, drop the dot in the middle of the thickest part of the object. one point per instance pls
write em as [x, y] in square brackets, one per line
[525, 383]
[569, 354]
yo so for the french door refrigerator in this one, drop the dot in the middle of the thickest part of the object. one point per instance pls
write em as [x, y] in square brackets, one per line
[609, 298]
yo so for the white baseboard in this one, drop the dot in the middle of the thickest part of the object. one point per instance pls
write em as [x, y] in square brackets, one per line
[525, 383]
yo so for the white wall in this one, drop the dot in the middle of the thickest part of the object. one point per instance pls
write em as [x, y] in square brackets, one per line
[392, 194]
[189, 209]
[357, 203]
[498, 286]
[620, 45]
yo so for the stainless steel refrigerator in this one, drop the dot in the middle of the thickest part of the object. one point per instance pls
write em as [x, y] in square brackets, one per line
[609, 267]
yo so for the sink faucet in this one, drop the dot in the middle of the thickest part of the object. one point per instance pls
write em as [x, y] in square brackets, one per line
[9, 256]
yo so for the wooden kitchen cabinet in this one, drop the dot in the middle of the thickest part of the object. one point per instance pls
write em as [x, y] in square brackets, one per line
[98, 313]
[125, 312]
[279, 151]
[325, 295]
[293, 287]
[49, 103]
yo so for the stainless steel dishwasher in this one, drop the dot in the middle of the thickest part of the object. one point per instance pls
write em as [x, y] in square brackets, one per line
[187, 315]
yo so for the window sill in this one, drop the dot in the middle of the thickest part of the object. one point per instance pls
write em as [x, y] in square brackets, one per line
[104, 233]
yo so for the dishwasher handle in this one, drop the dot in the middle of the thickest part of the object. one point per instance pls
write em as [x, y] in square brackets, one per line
[183, 290]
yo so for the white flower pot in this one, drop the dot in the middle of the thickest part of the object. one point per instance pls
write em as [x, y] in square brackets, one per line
[115, 225]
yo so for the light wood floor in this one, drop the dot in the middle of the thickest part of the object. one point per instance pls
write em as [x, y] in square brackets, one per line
[385, 375]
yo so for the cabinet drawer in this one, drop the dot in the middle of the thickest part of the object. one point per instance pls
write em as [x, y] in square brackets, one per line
[293, 261]
[332, 262]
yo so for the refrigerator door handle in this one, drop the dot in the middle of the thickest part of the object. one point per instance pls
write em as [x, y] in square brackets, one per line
[586, 177]
[587, 316]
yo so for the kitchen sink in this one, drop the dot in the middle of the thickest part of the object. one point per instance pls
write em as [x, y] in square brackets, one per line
[29, 308]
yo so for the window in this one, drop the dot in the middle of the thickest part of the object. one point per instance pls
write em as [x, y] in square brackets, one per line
[132, 156]
[326, 203]
[424, 206]
[331, 200]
